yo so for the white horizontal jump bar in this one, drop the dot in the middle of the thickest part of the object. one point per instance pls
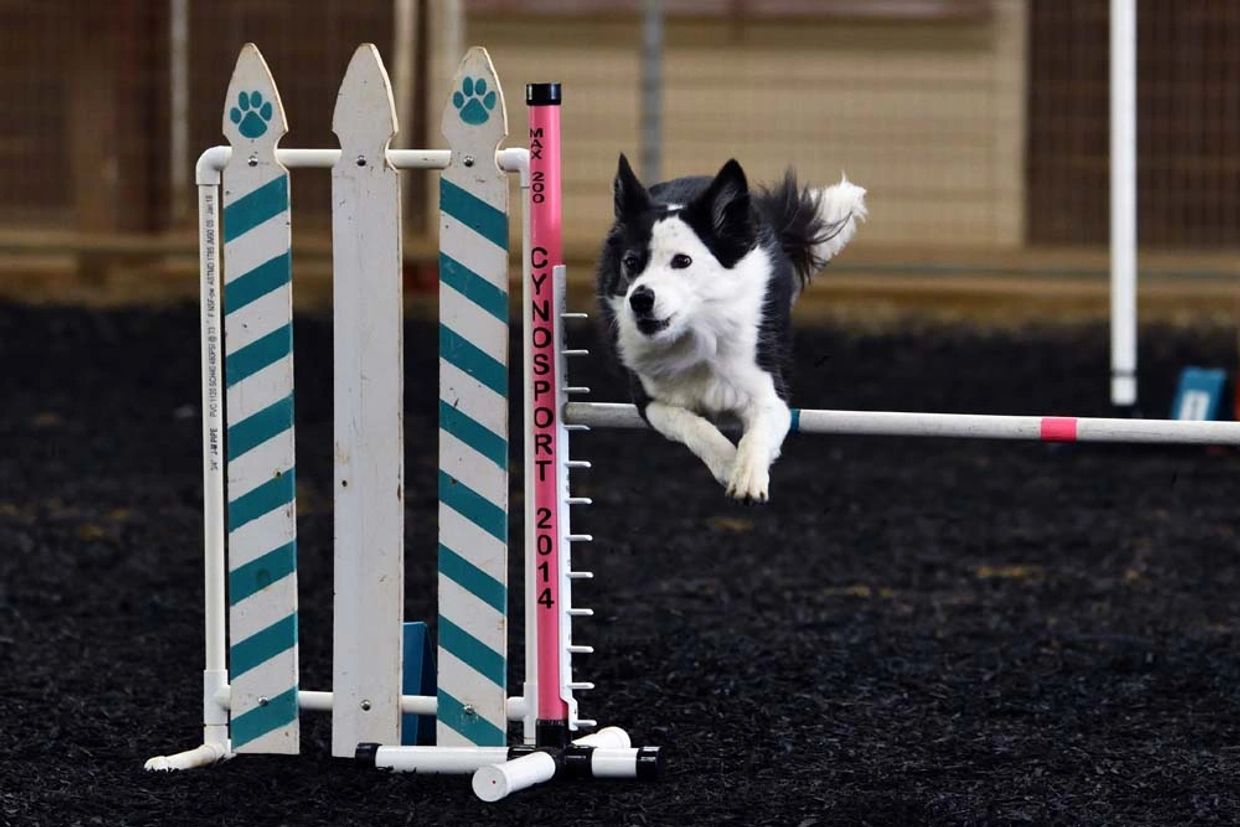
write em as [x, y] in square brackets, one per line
[318, 701]
[211, 161]
[965, 426]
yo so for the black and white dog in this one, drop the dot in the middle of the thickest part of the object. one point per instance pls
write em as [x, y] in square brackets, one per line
[697, 279]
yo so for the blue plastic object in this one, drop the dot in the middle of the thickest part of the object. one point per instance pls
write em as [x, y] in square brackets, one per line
[417, 678]
[1199, 394]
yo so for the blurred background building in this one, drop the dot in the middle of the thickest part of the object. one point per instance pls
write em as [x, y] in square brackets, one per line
[978, 126]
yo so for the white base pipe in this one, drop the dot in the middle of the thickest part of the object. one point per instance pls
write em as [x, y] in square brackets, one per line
[215, 744]
[966, 426]
[203, 756]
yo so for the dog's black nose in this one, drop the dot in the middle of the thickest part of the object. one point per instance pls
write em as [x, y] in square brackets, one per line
[642, 301]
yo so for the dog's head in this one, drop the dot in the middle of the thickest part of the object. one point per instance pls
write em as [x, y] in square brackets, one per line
[663, 261]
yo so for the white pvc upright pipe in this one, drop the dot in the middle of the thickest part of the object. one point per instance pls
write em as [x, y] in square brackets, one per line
[215, 745]
[1123, 202]
[215, 606]
[404, 41]
[529, 689]
[652, 91]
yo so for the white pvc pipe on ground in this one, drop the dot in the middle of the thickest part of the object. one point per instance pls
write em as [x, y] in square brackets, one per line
[966, 426]
[499, 780]
[200, 756]
[609, 737]
[1123, 202]
[461, 760]
[438, 760]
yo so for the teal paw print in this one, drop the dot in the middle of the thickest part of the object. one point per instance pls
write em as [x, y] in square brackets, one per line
[474, 101]
[251, 114]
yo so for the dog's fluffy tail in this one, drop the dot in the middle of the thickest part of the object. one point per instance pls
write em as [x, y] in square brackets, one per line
[813, 224]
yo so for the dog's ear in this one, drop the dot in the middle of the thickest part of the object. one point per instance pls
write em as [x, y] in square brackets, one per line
[721, 215]
[725, 203]
[630, 196]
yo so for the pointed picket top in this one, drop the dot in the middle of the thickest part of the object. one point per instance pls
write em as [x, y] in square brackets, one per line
[253, 115]
[474, 116]
[365, 115]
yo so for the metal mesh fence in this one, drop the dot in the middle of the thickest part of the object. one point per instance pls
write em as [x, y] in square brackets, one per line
[1188, 122]
[985, 124]
[76, 88]
[84, 143]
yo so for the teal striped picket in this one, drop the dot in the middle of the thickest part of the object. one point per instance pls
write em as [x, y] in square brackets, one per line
[473, 421]
[258, 371]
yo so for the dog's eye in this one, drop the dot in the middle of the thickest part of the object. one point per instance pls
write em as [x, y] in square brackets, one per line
[631, 261]
[680, 261]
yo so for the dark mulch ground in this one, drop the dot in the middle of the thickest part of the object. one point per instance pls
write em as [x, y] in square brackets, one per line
[913, 631]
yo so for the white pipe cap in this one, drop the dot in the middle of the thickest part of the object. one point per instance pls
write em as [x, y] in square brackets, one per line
[498, 780]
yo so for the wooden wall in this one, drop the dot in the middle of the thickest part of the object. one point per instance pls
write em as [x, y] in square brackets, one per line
[929, 116]
[1188, 123]
[926, 110]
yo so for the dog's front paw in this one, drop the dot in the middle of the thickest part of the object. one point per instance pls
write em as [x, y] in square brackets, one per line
[750, 481]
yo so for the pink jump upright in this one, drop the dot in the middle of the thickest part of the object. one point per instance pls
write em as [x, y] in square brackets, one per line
[559, 745]
[546, 252]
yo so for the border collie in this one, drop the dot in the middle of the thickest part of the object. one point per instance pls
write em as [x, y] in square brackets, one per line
[697, 280]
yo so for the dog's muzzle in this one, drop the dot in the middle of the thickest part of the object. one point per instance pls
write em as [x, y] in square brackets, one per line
[642, 303]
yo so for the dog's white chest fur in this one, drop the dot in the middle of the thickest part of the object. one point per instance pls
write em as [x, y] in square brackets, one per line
[726, 381]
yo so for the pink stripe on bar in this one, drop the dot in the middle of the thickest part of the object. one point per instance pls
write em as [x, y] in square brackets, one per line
[1059, 429]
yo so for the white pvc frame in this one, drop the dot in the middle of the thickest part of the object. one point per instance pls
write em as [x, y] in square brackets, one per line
[215, 689]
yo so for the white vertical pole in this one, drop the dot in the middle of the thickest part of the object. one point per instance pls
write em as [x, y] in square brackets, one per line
[404, 41]
[1123, 202]
[215, 719]
[178, 105]
[529, 689]
[453, 34]
[652, 91]
[369, 413]
[404, 56]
